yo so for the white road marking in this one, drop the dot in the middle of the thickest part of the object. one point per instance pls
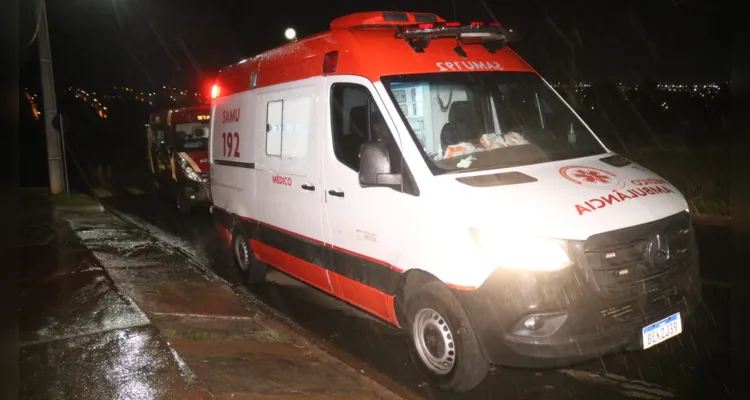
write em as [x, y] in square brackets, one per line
[636, 389]
[102, 192]
[134, 190]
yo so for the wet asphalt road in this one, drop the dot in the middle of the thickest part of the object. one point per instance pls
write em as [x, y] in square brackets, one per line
[694, 365]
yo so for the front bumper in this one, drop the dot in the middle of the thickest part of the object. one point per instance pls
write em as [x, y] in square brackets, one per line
[603, 310]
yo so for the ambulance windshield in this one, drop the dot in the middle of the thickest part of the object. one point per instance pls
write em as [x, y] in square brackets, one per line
[469, 121]
[191, 136]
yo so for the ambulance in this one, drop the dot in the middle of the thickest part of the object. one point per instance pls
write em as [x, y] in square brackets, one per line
[178, 155]
[423, 172]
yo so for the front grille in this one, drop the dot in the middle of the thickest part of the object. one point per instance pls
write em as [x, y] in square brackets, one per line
[632, 280]
[646, 309]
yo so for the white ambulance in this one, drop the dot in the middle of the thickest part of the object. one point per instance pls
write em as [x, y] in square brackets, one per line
[421, 171]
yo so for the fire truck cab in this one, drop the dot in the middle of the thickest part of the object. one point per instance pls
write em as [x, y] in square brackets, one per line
[420, 170]
[178, 155]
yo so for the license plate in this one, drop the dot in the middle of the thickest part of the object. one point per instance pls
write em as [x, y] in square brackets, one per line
[662, 330]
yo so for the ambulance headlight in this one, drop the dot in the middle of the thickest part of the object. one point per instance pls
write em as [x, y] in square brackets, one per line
[522, 252]
[188, 170]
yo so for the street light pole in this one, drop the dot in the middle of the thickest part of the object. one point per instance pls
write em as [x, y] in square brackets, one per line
[54, 155]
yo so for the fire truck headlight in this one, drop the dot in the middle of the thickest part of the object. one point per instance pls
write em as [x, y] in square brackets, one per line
[188, 170]
[522, 252]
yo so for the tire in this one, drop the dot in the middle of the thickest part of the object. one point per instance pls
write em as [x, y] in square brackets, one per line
[251, 270]
[436, 325]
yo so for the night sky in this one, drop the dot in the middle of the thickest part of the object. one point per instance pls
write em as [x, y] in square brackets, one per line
[148, 43]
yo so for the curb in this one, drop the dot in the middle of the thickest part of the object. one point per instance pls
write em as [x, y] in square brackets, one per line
[86, 203]
[714, 220]
[277, 320]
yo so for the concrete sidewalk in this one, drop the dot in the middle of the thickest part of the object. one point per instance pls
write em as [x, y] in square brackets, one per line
[80, 337]
[230, 348]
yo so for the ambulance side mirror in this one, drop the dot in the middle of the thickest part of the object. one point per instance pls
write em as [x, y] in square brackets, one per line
[375, 166]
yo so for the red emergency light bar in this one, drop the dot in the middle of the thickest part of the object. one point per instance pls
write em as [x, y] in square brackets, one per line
[492, 36]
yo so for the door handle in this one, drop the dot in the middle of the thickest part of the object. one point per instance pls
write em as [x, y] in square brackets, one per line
[308, 187]
[336, 193]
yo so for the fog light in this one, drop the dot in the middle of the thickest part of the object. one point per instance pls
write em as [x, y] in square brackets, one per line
[540, 325]
[532, 323]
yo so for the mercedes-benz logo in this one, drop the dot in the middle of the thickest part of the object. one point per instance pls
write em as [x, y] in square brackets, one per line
[657, 250]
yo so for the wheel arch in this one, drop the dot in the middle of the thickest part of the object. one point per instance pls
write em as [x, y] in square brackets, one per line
[409, 279]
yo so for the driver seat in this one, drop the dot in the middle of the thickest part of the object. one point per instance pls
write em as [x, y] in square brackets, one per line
[463, 125]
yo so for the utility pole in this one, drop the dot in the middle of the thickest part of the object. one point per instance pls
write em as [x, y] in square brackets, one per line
[54, 155]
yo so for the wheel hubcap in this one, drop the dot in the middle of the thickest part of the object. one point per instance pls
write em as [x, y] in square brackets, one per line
[242, 253]
[434, 341]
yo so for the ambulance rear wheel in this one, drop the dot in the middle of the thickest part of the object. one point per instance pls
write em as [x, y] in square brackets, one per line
[443, 342]
[251, 270]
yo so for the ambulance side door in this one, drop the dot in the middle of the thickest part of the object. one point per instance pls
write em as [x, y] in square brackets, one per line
[363, 224]
[289, 188]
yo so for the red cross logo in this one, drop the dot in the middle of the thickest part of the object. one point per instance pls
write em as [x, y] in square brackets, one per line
[591, 176]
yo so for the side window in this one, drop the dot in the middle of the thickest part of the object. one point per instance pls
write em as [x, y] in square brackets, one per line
[355, 120]
[274, 120]
[295, 120]
[287, 123]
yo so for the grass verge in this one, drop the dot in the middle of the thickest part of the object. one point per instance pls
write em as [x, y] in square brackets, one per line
[702, 175]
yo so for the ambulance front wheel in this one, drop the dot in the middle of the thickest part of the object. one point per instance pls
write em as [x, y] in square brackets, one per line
[443, 342]
[251, 270]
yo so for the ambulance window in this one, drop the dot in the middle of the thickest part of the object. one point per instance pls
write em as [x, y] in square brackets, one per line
[287, 123]
[295, 119]
[355, 120]
[274, 115]
[488, 120]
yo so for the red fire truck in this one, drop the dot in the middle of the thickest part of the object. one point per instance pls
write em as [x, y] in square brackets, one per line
[178, 154]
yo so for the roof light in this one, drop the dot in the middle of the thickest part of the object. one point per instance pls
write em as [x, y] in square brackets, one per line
[491, 36]
[330, 61]
[215, 91]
